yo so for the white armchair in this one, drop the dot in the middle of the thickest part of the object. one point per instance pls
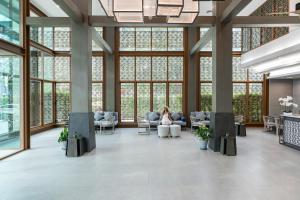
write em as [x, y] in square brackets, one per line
[143, 126]
[269, 123]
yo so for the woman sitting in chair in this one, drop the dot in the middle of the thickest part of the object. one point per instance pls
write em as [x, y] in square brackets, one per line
[166, 117]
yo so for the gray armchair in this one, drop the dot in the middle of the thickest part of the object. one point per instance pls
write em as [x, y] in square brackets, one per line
[199, 118]
[106, 120]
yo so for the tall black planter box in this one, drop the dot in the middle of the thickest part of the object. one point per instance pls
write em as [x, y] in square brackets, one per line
[75, 147]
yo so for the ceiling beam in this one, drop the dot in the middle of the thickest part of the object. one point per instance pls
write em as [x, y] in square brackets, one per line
[71, 9]
[100, 41]
[233, 9]
[48, 21]
[265, 21]
[103, 21]
[202, 42]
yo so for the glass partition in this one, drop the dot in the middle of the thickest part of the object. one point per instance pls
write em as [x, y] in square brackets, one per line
[10, 101]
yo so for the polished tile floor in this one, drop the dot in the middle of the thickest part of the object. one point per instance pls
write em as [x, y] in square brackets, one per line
[126, 166]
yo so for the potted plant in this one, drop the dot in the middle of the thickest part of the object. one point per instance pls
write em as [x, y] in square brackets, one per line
[203, 133]
[287, 104]
[63, 136]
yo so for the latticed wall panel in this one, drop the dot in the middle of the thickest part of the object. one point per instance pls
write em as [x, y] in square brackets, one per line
[63, 103]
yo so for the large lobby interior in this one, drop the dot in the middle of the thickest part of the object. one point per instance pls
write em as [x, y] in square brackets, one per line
[149, 99]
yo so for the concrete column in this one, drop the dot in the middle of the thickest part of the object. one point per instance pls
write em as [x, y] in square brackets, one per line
[192, 71]
[81, 117]
[222, 119]
[81, 61]
[110, 100]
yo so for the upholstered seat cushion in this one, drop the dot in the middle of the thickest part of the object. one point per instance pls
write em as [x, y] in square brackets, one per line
[179, 122]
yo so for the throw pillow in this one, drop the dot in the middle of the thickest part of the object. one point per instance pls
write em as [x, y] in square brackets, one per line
[200, 115]
[153, 116]
[107, 115]
[175, 116]
[98, 116]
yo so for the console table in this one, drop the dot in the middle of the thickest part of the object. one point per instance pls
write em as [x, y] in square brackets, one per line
[291, 131]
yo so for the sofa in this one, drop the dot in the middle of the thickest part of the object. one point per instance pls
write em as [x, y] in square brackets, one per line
[155, 118]
[105, 120]
[199, 118]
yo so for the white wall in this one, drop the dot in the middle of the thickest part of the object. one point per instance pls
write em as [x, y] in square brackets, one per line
[296, 93]
[278, 88]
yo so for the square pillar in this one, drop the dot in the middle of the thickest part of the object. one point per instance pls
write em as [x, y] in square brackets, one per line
[81, 77]
[222, 119]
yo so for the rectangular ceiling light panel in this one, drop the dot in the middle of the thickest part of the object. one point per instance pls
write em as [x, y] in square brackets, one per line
[169, 7]
[189, 13]
[128, 10]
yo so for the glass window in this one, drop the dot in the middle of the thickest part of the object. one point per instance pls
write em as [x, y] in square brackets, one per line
[95, 47]
[10, 104]
[63, 104]
[143, 39]
[236, 39]
[143, 68]
[127, 39]
[238, 73]
[97, 68]
[206, 68]
[175, 39]
[159, 68]
[35, 103]
[175, 97]
[36, 63]
[159, 39]
[206, 97]
[159, 96]
[207, 47]
[255, 102]
[239, 99]
[62, 39]
[143, 99]
[127, 102]
[48, 37]
[48, 103]
[62, 68]
[10, 21]
[127, 68]
[97, 97]
[175, 69]
[48, 67]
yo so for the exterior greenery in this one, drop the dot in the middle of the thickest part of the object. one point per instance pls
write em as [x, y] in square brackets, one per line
[250, 106]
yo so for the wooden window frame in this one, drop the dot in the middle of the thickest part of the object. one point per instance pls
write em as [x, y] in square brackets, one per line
[184, 54]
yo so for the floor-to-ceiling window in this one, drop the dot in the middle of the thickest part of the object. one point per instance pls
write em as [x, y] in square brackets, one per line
[11, 67]
[248, 87]
[97, 75]
[150, 70]
[50, 76]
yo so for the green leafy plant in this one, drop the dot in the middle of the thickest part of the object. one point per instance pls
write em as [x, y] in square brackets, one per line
[63, 135]
[203, 133]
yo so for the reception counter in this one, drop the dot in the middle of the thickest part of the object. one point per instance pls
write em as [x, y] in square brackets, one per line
[291, 131]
